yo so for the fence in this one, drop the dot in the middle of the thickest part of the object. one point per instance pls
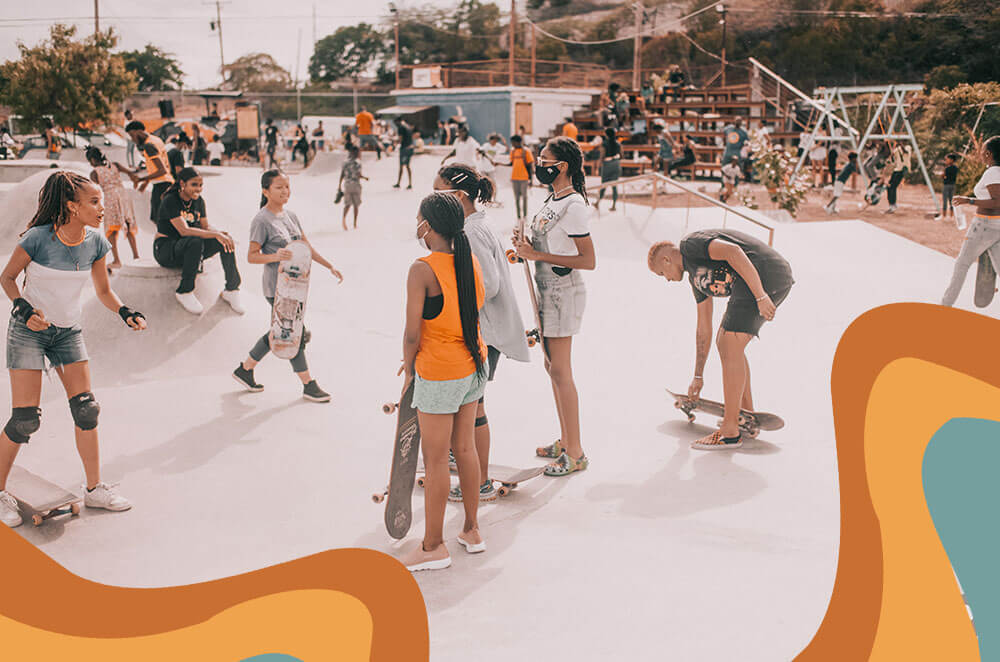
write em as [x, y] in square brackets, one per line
[527, 73]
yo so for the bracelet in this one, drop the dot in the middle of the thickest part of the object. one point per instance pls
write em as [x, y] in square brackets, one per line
[699, 377]
[762, 297]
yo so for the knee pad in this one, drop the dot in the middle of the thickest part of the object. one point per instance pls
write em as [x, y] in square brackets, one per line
[24, 422]
[481, 421]
[85, 410]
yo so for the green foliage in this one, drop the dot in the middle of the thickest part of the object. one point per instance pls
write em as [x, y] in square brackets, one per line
[74, 82]
[349, 51]
[945, 77]
[946, 117]
[469, 31]
[256, 72]
[154, 69]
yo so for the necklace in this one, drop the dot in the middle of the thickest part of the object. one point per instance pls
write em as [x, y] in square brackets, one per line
[556, 194]
[66, 246]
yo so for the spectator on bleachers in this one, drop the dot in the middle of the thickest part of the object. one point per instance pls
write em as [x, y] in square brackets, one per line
[622, 108]
[688, 159]
[665, 155]
[659, 84]
[676, 80]
[611, 165]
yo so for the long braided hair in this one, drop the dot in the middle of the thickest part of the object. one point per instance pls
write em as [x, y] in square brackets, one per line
[444, 213]
[567, 149]
[467, 179]
[95, 156]
[61, 187]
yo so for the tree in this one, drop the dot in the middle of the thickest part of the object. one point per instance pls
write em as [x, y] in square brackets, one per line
[154, 69]
[350, 51]
[946, 118]
[945, 77]
[256, 72]
[74, 82]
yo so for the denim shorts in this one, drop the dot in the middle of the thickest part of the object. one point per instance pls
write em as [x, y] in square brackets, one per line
[561, 302]
[27, 349]
[446, 397]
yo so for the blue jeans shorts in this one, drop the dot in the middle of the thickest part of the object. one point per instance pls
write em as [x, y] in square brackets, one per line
[27, 349]
[446, 397]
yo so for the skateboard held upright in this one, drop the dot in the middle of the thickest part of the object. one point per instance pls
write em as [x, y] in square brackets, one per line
[750, 422]
[986, 281]
[37, 498]
[406, 451]
[290, 301]
[535, 334]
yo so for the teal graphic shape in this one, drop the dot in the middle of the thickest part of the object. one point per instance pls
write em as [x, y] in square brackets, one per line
[272, 657]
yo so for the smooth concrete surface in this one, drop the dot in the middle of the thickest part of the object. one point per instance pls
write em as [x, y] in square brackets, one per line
[656, 552]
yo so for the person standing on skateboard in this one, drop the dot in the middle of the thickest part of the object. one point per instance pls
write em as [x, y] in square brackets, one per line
[58, 254]
[984, 231]
[561, 247]
[499, 317]
[756, 278]
[273, 228]
[444, 355]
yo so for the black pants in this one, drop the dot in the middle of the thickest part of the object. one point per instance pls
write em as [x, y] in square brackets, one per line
[155, 194]
[680, 163]
[187, 253]
[894, 181]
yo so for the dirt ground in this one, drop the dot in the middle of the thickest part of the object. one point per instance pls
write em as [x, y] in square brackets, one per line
[914, 218]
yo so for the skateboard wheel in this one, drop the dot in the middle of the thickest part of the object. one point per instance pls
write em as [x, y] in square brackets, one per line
[690, 418]
[504, 490]
[378, 498]
[37, 520]
[420, 481]
[512, 256]
[389, 407]
[531, 341]
[75, 508]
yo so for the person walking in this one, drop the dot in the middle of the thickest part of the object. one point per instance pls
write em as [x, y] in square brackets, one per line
[350, 184]
[157, 165]
[118, 211]
[611, 165]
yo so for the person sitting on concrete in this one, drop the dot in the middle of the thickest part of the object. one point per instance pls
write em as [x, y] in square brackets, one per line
[756, 279]
[157, 164]
[58, 253]
[184, 239]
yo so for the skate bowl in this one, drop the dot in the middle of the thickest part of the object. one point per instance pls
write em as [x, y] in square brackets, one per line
[14, 171]
[20, 202]
[175, 342]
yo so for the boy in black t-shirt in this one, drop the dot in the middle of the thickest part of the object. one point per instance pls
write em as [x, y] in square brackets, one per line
[756, 278]
[948, 188]
[841, 181]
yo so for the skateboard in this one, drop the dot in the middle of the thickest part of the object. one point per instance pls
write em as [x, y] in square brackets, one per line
[508, 477]
[535, 334]
[38, 498]
[986, 281]
[290, 301]
[398, 495]
[750, 422]
[874, 193]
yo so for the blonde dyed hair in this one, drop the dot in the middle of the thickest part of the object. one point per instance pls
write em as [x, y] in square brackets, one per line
[654, 252]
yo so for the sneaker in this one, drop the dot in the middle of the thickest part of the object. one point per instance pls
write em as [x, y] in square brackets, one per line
[105, 496]
[9, 513]
[312, 391]
[452, 463]
[245, 378]
[487, 492]
[232, 297]
[190, 302]
[472, 547]
[890, 210]
[417, 559]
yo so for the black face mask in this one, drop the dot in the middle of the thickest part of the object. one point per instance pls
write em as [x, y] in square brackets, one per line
[548, 174]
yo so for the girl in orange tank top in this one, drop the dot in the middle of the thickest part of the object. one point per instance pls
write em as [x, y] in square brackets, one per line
[443, 353]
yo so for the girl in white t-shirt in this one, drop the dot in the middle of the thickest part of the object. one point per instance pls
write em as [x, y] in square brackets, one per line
[561, 247]
[58, 253]
[984, 233]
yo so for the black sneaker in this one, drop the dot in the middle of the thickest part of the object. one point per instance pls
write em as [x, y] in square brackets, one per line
[312, 391]
[306, 336]
[245, 378]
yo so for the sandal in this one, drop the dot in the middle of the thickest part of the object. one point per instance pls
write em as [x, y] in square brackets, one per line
[565, 465]
[716, 442]
[553, 450]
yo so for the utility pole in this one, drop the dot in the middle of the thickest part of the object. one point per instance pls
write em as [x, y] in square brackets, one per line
[638, 9]
[395, 29]
[513, 40]
[723, 12]
[217, 24]
[298, 86]
[97, 19]
[314, 26]
[534, 59]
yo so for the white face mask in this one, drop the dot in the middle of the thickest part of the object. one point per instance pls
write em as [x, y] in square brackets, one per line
[421, 237]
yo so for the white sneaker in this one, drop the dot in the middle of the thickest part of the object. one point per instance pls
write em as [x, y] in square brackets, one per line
[9, 514]
[105, 496]
[190, 302]
[232, 297]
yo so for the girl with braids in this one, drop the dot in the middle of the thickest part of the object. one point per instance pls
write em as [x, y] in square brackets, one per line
[57, 254]
[444, 352]
[499, 317]
[118, 211]
[184, 239]
[271, 230]
[561, 247]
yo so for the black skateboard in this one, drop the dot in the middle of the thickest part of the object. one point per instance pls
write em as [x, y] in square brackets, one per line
[398, 495]
[986, 281]
[750, 422]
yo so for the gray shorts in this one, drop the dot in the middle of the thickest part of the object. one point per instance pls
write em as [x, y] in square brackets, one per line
[352, 194]
[561, 301]
[446, 397]
[27, 349]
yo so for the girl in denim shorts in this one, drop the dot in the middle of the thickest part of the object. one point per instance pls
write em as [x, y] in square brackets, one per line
[58, 253]
[444, 353]
[561, 248]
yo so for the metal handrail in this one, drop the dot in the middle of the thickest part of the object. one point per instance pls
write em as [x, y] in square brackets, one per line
[656, 176]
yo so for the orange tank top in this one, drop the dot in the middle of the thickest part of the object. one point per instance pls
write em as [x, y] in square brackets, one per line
[443, 354]
[161, 154]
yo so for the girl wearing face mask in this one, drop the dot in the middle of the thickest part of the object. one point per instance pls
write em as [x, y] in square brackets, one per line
[444, 353]
[561, 247]
[58, 253]
[499, 317]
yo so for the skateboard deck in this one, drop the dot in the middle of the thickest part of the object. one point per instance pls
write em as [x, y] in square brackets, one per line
[398, 495]
[986, 281]
[290, 301]
[535, 334]
[750, 422]
[38, 499]
[508, 477]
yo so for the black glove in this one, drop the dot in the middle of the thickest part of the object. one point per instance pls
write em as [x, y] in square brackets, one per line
[127, 314]
[22, 310]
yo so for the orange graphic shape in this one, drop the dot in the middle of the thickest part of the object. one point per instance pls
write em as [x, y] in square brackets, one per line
[884, 425]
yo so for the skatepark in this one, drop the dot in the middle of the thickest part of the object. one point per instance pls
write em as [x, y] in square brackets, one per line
[705, 555]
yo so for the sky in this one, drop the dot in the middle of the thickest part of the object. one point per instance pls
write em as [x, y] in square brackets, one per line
[182, 27]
